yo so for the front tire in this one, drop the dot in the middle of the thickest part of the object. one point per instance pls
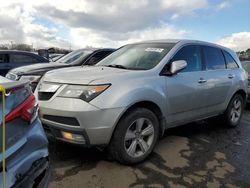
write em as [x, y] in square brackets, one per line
[233, 114]
[135, 136]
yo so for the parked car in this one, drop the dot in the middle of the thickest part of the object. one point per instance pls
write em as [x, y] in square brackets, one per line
[26, 143]
[246, 66]
[33, 73]
[10, 59]
[55, 57]
[131, 97]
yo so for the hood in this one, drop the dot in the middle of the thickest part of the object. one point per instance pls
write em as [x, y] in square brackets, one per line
[39, 68]
[4, 80]
[83, 75]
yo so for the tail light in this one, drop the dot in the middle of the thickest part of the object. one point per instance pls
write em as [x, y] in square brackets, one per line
[26, 110]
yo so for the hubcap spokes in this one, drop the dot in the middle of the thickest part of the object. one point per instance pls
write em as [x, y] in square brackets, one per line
[139, 137]
[236, 111]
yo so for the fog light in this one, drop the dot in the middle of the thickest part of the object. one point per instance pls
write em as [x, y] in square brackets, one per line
[73, 137]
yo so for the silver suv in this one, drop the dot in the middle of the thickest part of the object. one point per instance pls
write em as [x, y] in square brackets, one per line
[131, 97]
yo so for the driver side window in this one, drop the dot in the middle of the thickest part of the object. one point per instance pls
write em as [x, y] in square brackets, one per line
[192, 55]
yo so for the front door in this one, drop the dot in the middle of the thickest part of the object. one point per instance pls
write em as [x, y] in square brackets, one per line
[185, 90]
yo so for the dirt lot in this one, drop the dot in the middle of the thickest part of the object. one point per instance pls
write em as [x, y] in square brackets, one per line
[194, 155]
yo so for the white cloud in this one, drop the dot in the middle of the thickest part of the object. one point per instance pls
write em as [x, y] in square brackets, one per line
[17, 25]
[236, 41]
[222, 5]
[183, 7]
[84, 37]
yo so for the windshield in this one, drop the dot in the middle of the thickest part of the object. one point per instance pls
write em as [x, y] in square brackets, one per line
[74, 56]
[246, 65]
[137, 56]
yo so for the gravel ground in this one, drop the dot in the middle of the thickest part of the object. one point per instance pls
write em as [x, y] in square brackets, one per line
[194, 155]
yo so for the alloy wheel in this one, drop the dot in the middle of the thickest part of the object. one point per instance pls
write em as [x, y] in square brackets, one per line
[139, 137]
[236, 111]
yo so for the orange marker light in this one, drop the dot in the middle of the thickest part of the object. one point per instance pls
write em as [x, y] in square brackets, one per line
[67, 135]
[101, 88]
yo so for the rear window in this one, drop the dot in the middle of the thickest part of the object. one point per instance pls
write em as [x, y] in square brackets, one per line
[231, 64]
[214, 58]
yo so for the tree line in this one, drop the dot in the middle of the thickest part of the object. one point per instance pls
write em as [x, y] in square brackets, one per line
[29, 48]
[244, 55]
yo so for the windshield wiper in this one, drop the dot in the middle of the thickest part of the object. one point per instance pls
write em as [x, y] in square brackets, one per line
[117, 66]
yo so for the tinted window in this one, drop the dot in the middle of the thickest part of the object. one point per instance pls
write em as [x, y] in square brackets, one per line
[214, 58]
[97, 57]
[192, 55]
[231, 64]
[4, 58]
[20, 58]
[138, 56]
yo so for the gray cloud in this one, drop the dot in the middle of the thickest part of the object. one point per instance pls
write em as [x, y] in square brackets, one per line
[102, 23]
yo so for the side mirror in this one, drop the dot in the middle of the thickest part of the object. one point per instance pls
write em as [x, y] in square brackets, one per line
[177, 66]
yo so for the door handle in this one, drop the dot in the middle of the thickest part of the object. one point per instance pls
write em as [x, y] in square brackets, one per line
[230, 76]
[202, 80]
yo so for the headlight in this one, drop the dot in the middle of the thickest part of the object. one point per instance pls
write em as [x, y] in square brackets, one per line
[86, 93]
[31, 78]
[12, 76]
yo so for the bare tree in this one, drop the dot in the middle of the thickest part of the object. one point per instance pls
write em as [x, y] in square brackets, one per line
[21, 46]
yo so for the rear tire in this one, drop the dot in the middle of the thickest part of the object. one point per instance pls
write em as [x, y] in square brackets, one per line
[135, 136]
[234, 111]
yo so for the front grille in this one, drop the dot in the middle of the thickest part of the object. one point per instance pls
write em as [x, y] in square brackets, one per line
[44, 96]
[63, 120]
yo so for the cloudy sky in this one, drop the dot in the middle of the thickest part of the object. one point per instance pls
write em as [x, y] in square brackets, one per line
[112, 23]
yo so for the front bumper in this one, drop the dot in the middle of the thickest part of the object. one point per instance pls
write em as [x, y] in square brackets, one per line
[76, 116]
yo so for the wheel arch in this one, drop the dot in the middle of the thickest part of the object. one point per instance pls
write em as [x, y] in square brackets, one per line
[242, 93]
[148, 105]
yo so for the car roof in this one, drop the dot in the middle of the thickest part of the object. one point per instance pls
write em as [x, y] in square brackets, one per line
[183, 41]
[24, 52]
[16, 51]
[187, 41]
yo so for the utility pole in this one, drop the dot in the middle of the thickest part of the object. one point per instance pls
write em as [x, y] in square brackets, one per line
[11, 42]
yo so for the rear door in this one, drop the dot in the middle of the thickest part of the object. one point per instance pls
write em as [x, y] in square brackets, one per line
[218, 79]
[4, 63]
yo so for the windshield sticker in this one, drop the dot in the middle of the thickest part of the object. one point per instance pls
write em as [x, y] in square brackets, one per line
[159, 50]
